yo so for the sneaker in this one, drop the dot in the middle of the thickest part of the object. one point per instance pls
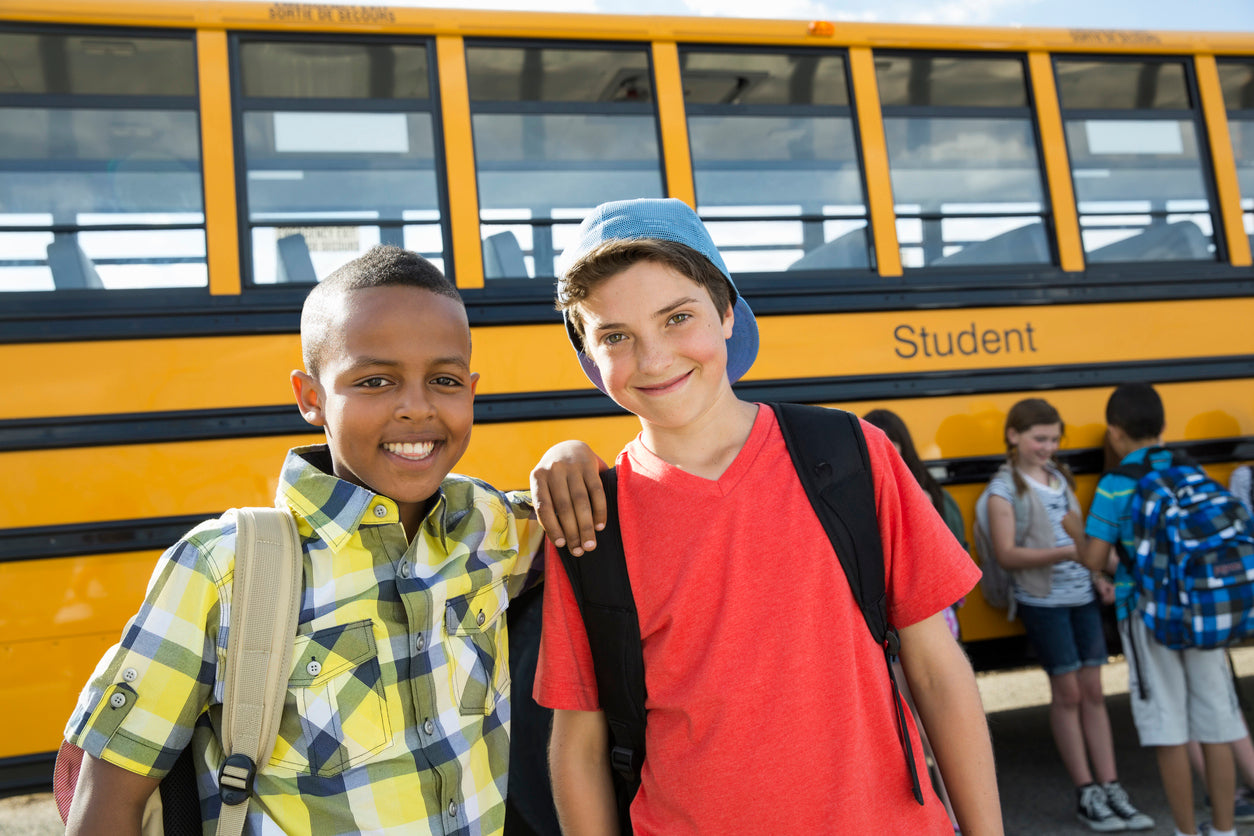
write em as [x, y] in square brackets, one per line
[1117, 800]
[1094, 810]
[1243, 811]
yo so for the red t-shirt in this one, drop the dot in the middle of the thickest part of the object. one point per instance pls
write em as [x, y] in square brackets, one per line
[769, 703]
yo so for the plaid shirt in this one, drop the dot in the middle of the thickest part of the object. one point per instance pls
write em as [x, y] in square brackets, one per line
[397, 712]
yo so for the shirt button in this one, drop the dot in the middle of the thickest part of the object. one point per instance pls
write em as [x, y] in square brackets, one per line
[420, 642]
[428, 727]
[380, 511]
[117, 700]
[405, 569]
[482, 618]
[452, 809]
[314, 667]
[130, 674]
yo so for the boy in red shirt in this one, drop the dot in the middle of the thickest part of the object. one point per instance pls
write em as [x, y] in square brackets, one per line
[769, 706]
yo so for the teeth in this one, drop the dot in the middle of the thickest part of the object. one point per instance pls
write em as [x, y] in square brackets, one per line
[411, 451]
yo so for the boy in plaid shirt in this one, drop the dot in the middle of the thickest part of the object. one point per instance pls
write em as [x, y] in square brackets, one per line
[397, 713]
[1177, 695]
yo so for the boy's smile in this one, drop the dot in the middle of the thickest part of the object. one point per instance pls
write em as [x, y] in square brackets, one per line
[659, 344]
[394, 392]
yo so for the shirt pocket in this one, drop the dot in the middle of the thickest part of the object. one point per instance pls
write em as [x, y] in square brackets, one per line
[335, 716]
[474, 640]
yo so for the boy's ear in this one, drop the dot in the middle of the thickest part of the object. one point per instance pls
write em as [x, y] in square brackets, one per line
[729, 322]
[474, 384]
[309, 397]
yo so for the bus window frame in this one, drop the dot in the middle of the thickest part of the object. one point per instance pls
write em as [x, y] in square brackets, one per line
[801, 280]
[62, 299]
[520, 284]
[1205, 163]
[1020, 272]
[241, 104]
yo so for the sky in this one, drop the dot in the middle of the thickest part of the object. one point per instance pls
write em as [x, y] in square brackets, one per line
[1203, 15]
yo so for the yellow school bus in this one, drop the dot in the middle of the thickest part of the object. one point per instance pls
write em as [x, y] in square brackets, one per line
[935, 220]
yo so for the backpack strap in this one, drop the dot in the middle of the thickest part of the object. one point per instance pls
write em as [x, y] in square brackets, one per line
[603, 591]
[265, 603]
[830, 455]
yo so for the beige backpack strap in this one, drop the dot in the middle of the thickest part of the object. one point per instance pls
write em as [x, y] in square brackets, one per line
[265, 602]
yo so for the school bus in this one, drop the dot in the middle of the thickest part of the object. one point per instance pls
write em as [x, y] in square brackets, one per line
[935, 220]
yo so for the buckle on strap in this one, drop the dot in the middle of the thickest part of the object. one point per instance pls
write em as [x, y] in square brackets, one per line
[623, 761]
[235, 779]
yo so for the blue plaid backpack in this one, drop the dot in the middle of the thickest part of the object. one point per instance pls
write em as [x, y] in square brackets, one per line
[1194, 561]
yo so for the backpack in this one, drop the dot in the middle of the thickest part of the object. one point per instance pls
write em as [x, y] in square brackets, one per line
[1193, 566]
[996, 584]
[830, 455]
[266, 603]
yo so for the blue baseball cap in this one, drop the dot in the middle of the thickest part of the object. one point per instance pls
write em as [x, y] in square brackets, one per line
[668, 219]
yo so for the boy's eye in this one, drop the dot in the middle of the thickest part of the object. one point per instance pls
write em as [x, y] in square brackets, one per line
[613, 339]
[678, 318]
[373, 382]
[446, 381]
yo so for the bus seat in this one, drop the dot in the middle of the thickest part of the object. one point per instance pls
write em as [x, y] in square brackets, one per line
[294, 263]
[503, 257]
[1178, 241]
[1021, 245]
[846, 252]
[71, 268]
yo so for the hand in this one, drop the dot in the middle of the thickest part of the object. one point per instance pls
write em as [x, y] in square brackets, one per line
[568, 497]
[1104, 588]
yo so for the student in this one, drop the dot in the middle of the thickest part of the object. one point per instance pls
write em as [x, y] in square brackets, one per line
[1028, 499]
[768, 701]
[397, 717]
[1189, 694]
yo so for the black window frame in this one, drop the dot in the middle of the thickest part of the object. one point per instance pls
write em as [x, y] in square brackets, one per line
[783, 280]
[390, 231]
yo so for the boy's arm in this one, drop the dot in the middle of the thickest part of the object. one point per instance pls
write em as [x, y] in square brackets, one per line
[1001, 530]
[568, 497]
[108, 799]
[949, 706]
[579, 764]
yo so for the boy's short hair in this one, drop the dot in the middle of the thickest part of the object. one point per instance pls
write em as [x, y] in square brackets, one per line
[1136, 409]
[616, 255]
[621, 233]
[383, 265]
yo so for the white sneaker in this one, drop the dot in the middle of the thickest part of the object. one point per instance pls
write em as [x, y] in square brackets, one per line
[1117, 800]
[1094, 810]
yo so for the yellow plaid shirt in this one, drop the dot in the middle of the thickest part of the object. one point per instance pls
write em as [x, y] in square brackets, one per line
[397, 713]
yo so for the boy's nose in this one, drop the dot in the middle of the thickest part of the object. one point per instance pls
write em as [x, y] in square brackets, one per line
[651, 356]
[413, 404]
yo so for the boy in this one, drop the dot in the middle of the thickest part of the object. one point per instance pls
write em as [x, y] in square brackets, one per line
[1187, 694]
[397, 717]
[769, 706]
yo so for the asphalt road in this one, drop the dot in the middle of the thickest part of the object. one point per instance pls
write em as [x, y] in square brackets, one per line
[1037, 797]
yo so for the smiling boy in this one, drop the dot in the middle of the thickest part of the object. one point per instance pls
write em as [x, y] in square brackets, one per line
[768, 702]
[397, 714]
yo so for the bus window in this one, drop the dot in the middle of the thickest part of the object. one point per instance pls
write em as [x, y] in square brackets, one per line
[964, 161]
[1132, 136]
[1237, 80]
[557, 130]
[100, 183]
[339, 154]
[775, 160]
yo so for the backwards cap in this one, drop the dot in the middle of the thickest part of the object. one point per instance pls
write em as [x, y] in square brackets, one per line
[668, 220]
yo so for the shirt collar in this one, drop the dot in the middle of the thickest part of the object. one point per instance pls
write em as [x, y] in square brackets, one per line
[334, 507]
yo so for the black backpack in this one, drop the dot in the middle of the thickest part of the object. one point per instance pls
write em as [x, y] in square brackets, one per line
[829, 452]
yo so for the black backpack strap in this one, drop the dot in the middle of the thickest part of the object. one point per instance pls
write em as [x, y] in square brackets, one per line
[603, 591]
[830, 455]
